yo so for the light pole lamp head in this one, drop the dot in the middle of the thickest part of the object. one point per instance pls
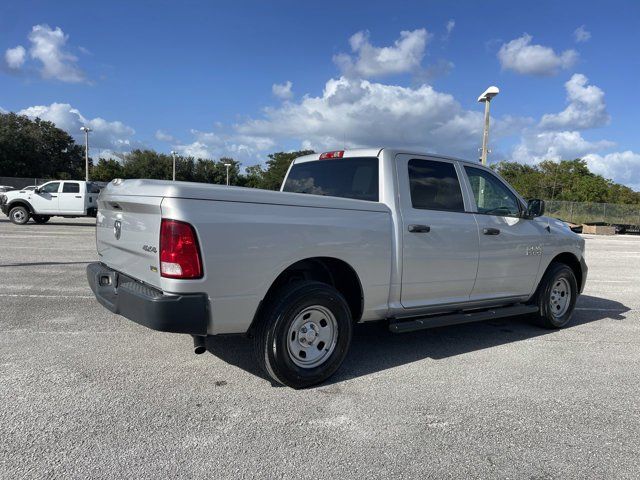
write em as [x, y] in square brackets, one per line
[173, 152]
[488, 94]
[86, 129]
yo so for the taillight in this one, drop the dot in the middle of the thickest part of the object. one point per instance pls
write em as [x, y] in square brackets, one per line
[329, 155]
[179, 252]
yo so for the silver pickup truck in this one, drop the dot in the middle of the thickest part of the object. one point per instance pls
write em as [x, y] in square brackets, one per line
[415, 240]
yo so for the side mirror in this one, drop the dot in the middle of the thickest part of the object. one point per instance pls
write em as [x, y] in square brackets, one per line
[37, 190]
[535, 208]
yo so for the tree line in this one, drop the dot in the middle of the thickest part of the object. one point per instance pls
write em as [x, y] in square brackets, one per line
[38, 149]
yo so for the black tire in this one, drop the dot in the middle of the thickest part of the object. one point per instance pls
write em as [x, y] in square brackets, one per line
[554, 315]
[271, 341]
[40, 219]
[19, 215]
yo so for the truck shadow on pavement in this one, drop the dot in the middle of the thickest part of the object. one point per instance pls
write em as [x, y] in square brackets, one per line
[49, 223]
[375, 349]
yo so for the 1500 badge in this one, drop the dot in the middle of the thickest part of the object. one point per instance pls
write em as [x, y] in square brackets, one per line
[149, 248]
[534, 250]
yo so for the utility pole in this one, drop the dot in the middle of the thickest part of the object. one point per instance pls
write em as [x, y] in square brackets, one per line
[86, 131]
[485, 98]
[227, 165]
[173, 154]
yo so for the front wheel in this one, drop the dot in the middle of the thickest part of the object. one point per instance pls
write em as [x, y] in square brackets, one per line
[303, 334]
[557, 296]
[19, 215]
[40, 219]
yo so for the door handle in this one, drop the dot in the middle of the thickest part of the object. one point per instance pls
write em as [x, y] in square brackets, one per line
[78, 196]
[419, 228]
[491, 231]
[54, 196]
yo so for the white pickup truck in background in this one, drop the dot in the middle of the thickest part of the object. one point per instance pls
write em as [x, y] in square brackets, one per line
[415, 240]
[58, 198]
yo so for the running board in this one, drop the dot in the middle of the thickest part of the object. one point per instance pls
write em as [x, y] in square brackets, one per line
[422, 323]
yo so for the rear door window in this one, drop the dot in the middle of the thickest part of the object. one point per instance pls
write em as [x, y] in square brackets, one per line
[434, 186]
[70, 187]
[345, 177]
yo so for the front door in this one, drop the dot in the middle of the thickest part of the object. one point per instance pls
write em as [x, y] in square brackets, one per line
[46, 201]
[439, 240]
[71, 199]
[510, 246]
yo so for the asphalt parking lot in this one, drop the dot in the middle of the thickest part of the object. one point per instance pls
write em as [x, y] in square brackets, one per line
[85, 393]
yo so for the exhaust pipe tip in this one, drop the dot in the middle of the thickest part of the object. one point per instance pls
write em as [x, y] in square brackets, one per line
[199, 344]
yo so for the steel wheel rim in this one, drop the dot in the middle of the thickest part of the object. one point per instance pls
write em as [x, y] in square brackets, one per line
[312, 336]
[18, 216]
[560, 297]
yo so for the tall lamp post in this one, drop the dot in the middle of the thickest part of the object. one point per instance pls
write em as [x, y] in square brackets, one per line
[227, 165]
[485, 98]
[86, 131]
[173, 154]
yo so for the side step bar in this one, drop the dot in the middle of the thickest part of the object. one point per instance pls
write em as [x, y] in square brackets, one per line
[422, 323]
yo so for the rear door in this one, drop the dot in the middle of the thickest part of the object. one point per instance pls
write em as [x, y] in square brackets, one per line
[439, 240]
[128, 235]
[510, 246]
[71, 198]
[46, 201]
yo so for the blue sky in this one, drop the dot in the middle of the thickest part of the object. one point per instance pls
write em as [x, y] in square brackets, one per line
[210, 79]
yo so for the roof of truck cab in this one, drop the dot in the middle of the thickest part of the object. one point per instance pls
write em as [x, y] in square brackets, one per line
[374, 152]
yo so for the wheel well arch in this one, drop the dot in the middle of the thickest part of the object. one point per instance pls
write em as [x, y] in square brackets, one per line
[571, 261]
[329, 270]
[20, 203]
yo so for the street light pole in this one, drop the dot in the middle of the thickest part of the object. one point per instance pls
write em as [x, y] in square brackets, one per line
[227, 165]
[485, 98]
[173, 154]
[86, 131]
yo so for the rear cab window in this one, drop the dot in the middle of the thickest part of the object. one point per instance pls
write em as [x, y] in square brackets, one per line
[434, 185]
[340, 177]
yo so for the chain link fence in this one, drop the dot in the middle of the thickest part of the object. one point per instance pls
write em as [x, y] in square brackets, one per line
[20, 182]
[584, 212]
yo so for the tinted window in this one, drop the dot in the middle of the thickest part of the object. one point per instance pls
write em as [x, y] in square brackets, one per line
[344, 177]
[68, 187]
[492, 196]
[51, 187]
[434, 186]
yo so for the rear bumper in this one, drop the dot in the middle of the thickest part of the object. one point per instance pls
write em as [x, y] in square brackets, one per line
[147, 306]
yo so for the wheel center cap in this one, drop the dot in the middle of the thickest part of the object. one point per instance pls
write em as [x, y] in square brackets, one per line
[308, 333]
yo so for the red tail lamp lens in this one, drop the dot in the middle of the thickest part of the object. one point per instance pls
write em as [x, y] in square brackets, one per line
[179, 252]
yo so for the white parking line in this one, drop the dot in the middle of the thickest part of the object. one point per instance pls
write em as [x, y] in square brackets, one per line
[24, 295]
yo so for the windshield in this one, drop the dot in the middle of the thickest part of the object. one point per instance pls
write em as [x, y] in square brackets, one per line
[346, 177]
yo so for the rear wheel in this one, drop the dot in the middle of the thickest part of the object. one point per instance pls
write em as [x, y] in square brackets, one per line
[19, 215]
[557, 295]
[303, 334]
[41, 218]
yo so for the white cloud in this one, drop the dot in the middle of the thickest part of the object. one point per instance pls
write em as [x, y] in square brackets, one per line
[362, 113]
[621, 167]
[48, 47]
[451, 24]
[522, 57]
[215, 145]
[586, 109]
[581, 34]
[368, 61]
[15, 57]
[114, 136]
[536, 146]
[164, 136]
[282, 91]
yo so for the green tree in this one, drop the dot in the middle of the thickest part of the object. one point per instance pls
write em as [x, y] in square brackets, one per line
[107, 170]
[271, 178]
[37, 148]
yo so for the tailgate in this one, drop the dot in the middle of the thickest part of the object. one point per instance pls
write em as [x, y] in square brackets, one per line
[128, 235]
